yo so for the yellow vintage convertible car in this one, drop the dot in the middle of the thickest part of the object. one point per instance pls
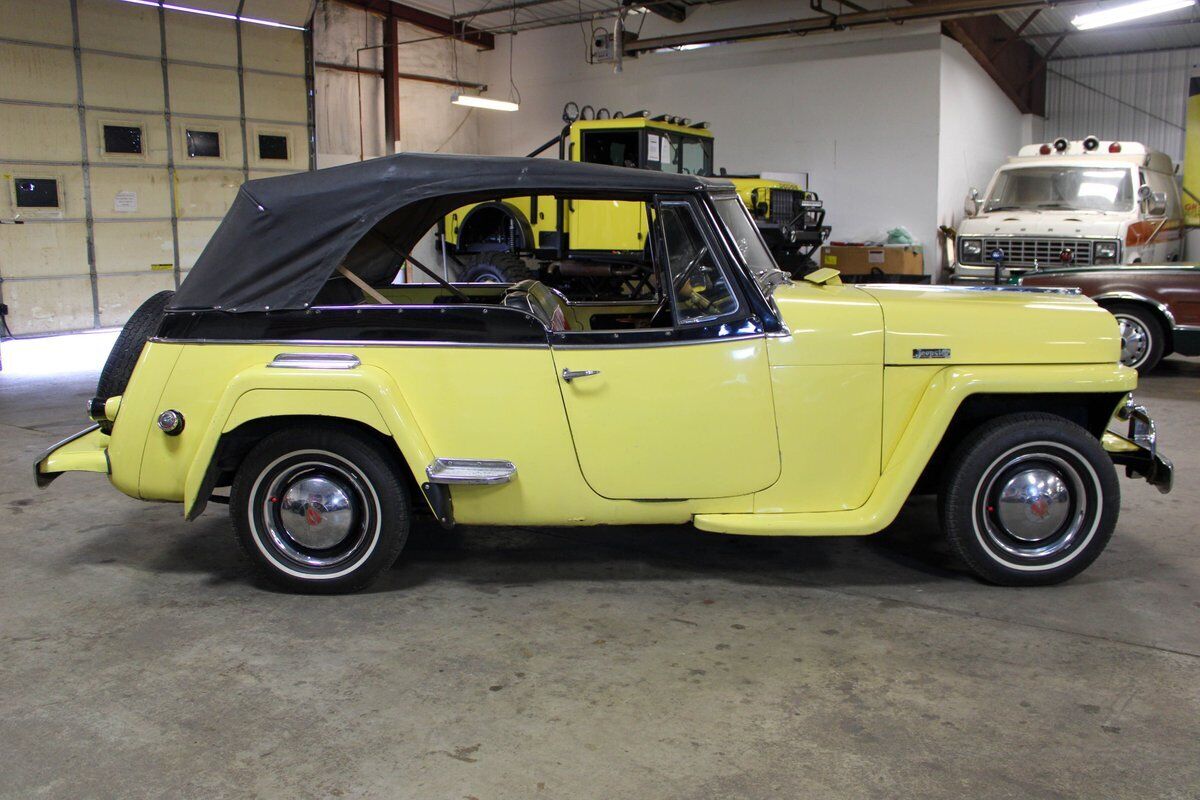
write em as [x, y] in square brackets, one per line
[335, 402]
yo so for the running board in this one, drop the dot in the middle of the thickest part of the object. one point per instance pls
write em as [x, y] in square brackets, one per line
[470, 471]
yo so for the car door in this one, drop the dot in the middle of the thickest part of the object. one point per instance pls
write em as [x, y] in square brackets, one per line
[683, 409]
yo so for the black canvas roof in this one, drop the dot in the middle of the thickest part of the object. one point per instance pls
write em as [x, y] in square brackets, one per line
[283, 237]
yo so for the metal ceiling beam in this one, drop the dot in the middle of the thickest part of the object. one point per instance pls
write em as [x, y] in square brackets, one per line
[671, 9]
[940, 11]
[1132, 27]
[446, 26]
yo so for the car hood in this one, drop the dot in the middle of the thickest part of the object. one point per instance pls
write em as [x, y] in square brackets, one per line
[1046, 223]
[985, 325]
[905, 324]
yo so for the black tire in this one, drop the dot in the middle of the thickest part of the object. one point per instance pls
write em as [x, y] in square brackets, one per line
[1143, 338]
[1029, 500]
[496, 268]
[143, 324]
[292, 537]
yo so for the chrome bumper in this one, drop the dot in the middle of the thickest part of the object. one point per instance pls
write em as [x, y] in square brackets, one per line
[1137, 451]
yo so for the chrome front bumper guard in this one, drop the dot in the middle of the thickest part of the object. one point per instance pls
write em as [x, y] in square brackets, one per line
[1137, 451]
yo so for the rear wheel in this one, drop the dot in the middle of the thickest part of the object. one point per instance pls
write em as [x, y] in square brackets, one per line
[1143, 340]
[1029, 499]
[497, 267]
[320, 510]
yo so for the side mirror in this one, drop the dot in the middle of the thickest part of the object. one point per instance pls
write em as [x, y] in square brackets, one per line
[971, 204]
[1154, 203]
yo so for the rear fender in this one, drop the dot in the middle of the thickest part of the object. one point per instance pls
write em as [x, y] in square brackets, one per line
[365, 395]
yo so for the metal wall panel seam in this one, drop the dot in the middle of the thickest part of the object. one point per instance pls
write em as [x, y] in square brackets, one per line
[149, 111]
[310, 89]
[162, 37]
[176, 62]
[87, 175]
[241, 76]
[33, 162]
[107, 220]
[125, 273]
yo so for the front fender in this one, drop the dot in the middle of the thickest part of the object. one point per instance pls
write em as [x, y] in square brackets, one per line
[366, 395]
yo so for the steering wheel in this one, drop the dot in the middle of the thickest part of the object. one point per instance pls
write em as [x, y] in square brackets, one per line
[677, 284]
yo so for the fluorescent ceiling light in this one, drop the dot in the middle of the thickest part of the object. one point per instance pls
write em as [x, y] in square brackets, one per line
[219, 14]
[1127, 12]
[482, 102]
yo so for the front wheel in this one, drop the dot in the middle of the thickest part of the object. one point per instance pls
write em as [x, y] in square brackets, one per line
[1142, 337]
[1029, 499]
[320, 509]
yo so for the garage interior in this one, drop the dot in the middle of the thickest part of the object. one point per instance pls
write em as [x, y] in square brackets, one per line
[144, 656]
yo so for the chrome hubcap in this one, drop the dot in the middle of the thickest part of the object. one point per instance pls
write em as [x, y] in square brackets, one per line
[1034, 506]
[316, 512]
[1135, 341]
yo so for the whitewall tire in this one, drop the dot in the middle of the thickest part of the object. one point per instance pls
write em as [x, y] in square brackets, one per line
[1029, 499]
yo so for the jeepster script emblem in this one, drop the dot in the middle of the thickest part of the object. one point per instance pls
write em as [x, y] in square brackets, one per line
[931, 352]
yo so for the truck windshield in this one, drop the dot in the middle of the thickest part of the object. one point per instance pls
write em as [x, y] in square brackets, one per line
[676, 153]
[1062, 188]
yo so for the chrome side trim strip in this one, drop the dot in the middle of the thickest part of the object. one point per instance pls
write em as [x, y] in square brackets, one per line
[648, 345]
[315, 361]
[348, 343]
[943, 287]
[477, 471]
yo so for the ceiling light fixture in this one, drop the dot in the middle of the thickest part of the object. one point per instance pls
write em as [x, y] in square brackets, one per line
[482, 102]
[218, 14]
[1127, 12]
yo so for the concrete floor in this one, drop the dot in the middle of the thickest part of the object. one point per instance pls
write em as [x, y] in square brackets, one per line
[142, 658]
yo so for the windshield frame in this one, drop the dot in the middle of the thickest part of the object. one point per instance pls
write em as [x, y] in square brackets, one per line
[769, 275]
[992, 203]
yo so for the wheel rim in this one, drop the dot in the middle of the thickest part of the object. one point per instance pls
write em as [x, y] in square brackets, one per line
[315, 513]
[1135, 341]
[1037, 505]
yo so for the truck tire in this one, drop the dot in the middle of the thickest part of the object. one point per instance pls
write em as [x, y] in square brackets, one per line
[1143, 338]
[320, 510]
[1029, 500]
[143, 324]
[497, 267]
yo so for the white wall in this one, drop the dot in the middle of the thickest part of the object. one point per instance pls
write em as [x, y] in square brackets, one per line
[857, 112]
[978, 129]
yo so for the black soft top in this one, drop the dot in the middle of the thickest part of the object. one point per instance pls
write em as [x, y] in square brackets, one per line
[283, 237]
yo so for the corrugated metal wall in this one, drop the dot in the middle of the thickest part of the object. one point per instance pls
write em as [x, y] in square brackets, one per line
[1139, 97]
[130, 224]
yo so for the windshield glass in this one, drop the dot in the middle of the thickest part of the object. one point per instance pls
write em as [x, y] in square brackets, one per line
[1065, 188]
[676, 153]
[748, 243]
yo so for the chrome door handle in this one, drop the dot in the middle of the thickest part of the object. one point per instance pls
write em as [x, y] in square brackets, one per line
[569, 375]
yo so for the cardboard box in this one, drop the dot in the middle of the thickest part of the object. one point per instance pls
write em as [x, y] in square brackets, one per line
[891, 259]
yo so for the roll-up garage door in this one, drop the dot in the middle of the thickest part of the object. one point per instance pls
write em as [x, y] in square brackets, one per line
[125, 131]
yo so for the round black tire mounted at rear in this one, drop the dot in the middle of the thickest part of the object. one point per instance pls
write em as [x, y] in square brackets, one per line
[1029, 499]
[496, 267]
[320, 509]
[142, 325]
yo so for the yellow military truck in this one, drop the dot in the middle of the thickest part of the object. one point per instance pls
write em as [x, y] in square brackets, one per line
[571, 245]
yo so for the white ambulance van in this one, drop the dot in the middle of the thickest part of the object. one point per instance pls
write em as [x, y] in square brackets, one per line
[1084, 203]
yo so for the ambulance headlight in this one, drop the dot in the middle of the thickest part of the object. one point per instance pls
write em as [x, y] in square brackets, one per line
[1105, 253]
[971, 249]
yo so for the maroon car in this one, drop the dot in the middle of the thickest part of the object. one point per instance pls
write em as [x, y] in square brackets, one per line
[1158, 307]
